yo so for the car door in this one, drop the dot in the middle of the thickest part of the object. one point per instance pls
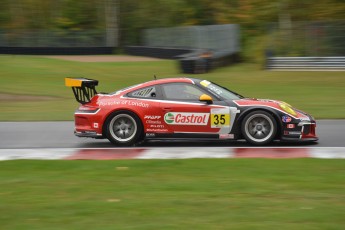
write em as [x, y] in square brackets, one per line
[184, 113]
[148, 98]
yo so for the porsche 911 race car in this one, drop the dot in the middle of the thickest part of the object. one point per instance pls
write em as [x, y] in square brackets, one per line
[182, 108]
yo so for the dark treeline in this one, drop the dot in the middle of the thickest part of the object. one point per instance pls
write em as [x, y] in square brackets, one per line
[127, 18]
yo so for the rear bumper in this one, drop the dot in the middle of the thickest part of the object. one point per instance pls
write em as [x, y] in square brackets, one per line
[87, 124]
[90, 134]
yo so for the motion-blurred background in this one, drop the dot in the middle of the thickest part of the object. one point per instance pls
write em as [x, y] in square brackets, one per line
[264, 28]
[235, 43]
[230, 42]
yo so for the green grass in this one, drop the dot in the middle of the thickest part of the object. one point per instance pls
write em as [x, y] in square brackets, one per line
[173, 194]
[319, 93]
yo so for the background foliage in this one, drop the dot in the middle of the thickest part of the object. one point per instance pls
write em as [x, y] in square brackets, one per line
[133, 15]
[36, 85]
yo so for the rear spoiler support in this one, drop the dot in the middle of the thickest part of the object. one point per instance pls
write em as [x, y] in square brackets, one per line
[83, 88]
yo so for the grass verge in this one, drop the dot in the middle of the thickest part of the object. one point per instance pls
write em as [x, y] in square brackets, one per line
[319, 93]
[173, 194]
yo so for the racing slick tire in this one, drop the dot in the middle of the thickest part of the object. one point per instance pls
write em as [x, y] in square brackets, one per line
[124, 128]
[259, 128]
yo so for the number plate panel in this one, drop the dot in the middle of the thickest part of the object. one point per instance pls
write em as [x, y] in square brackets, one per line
[220, 118]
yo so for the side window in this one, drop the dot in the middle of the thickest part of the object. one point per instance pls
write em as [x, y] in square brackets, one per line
[181, 91]
[149, 92]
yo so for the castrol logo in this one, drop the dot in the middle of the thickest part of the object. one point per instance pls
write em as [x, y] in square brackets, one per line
[173, 118]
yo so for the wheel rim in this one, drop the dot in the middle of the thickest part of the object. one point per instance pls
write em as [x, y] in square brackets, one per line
[123, 127]
[259, 127]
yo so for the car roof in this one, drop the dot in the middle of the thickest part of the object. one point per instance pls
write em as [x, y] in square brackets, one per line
[157, 82]
[170, 80]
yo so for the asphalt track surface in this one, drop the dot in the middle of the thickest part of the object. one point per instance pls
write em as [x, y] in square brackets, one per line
[20, 135]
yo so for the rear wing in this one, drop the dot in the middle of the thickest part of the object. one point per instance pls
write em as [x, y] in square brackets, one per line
[84, 89]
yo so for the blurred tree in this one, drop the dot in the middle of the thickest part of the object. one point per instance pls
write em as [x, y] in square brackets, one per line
[112, 22]
[4, 13]
[77, 15]
[130, 17]
[137, 14]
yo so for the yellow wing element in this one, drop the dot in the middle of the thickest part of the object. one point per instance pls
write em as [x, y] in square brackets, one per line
[83, 88]
[72, 82]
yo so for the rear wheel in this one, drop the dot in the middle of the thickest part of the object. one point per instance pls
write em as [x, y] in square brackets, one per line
[259, 128]
[124, 128]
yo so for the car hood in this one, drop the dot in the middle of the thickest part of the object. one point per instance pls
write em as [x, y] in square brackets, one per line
[255, 101]
[275, 104]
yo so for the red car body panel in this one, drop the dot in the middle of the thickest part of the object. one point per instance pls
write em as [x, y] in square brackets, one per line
[161, 116]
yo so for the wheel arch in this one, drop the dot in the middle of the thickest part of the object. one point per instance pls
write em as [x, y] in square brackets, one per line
[273, 112]
[118, 110]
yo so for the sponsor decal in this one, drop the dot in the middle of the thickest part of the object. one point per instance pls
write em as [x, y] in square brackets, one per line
[137, 103]
[169, 118]
[157, 126]
[156, 130]
[175, 118]
[205, 83]
[290, 126]
[108, 102]
[150, 135]
[153, 122]
[286, 119]
[152, 117]
[226, 136]
[292, 133]
[129, 102]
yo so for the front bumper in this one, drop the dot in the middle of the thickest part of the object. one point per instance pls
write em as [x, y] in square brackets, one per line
[294, 139]
[304, 131]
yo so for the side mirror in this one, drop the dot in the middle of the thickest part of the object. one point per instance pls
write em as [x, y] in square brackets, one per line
[206, 98]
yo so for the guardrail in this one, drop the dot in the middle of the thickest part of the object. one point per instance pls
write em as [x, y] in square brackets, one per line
[306, 63]
[57, 50]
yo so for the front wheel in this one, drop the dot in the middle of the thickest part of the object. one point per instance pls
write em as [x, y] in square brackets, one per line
[259, 128]
[124, 128]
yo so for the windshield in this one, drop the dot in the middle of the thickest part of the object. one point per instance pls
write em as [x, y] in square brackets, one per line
[220, 91]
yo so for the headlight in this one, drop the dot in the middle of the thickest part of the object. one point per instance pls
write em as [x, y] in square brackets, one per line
[287, 108]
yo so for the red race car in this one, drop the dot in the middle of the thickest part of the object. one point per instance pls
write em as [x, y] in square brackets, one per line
[182, 108]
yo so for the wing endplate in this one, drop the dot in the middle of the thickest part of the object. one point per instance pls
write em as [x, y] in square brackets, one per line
[83, 88]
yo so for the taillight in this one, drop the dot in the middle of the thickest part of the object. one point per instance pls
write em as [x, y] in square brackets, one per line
[87, 109]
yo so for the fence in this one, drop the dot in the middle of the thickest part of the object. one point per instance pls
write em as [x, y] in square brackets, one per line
[54, 42]
[206, 47]
[213, 37]
[306, 46]
[307, 39]
[52, 38]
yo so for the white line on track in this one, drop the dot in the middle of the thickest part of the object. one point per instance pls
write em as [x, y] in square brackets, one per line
[171, 153]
